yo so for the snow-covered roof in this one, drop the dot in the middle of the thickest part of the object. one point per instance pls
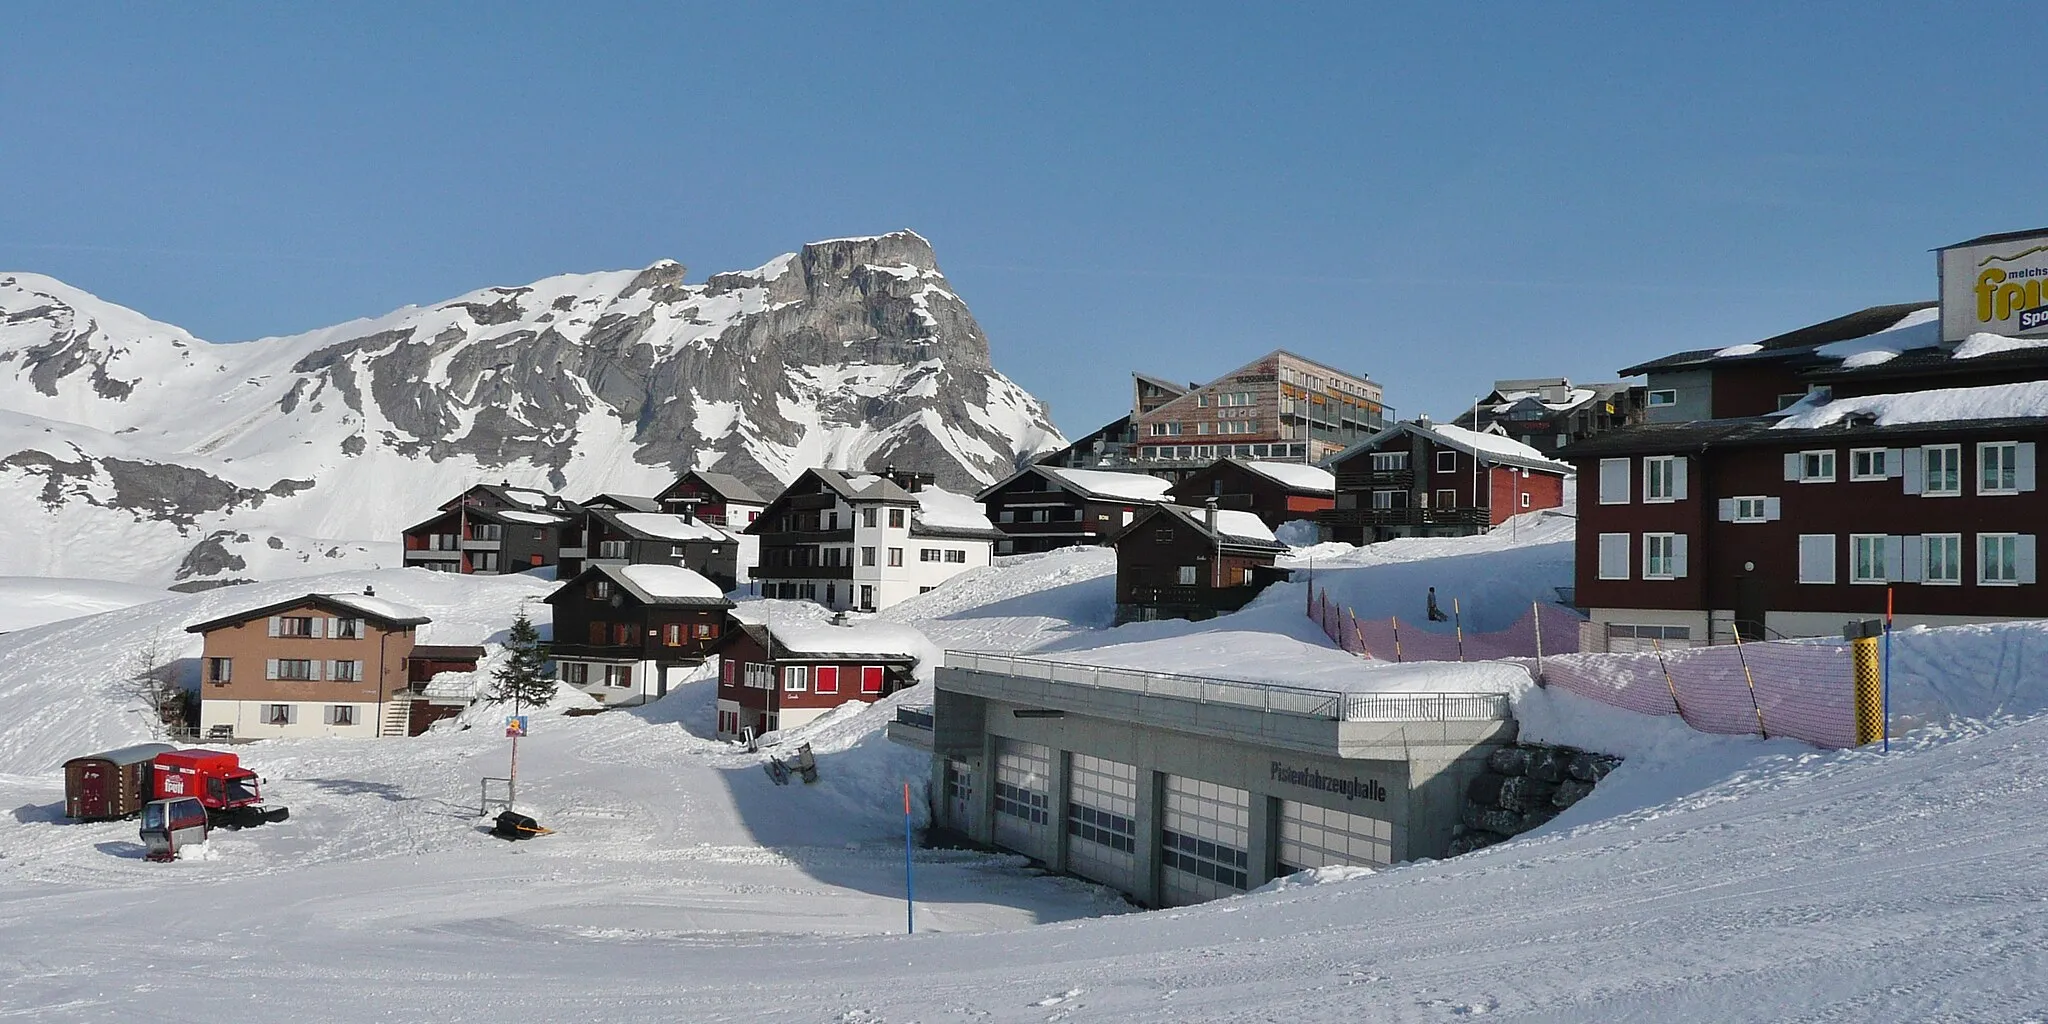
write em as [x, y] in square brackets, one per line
[869, 639]
[531, 499]
[668, 583]
[1919, 329]
[2028, 400]
[727, 486]
[523, 516]
[1574, 398]
[1231, 526]
[379, 607]
[670, 527]
[1298, 475]
[945, 510]
[1489, 447]
[1102, 483]
[386, 612]
[1979, 345]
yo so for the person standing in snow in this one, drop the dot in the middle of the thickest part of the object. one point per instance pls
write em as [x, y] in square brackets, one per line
[1436, 614]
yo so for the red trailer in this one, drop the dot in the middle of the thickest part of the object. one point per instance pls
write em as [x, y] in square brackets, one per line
[112, 784]
[232, 794]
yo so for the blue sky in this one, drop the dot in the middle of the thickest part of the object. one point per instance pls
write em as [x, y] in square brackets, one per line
[1434, 195]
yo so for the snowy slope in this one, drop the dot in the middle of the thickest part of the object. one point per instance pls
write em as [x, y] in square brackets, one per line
[133, 450]
[36, 600]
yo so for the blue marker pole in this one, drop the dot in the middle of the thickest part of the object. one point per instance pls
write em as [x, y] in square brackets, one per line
[909, 887]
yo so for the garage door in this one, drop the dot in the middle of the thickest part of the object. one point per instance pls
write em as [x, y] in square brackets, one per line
[1317, 837]
[1204, 841]
[1102, 821]
[1023, 798]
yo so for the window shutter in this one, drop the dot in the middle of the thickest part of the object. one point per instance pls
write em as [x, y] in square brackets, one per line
[1816, 558]
[2024, 462]
[319, 628]
[1894, 462]
[2023, 557]
[1773, 510]
[1912, 465]
[1912, 558]
[270, 666]
[1894, 557]
[1614, 556]
[319, 670]
[1678, 555]
[1678, 479]
[275, 626]
[1614, 476]
[328, 715]
[1791, 465]
[1726, 510]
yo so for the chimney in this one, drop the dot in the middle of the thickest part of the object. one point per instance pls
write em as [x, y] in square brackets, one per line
[839, 619]
[369, 591]
[1209, 513]
[1422, 421]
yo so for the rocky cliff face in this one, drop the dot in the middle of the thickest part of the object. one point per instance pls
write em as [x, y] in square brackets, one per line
[851, 353]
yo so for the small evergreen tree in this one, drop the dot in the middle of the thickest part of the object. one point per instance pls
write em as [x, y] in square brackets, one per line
[523, 679]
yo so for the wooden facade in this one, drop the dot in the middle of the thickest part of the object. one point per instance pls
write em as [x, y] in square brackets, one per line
[1042, 508]
[1246, 487]
[1419, 480]
[622, 642]
[493, 529]
[764, 685]
[1182, 563]
[321, 664]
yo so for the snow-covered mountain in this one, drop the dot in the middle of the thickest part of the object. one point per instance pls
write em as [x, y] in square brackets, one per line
[130, 449]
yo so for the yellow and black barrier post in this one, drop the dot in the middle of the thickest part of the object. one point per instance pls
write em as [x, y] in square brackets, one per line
[1864, 658]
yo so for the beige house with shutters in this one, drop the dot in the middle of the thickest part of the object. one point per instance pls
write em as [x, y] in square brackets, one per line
[318, 665]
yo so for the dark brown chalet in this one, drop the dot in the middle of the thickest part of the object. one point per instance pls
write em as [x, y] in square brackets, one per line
[430, 702]
[715, 498]
[496, 528]
[1418, 479]
[1276, 492]
[626, 633]
[1041, 507]
[1763, 377]
[1188, 563]
[636, 537]
[787, 675]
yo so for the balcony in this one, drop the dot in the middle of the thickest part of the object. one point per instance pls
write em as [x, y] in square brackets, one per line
[803, 572]
[1403, 517]
[431, 555]
[1384, 478]
[786, 538]
[570, 553]
[593, 652]
[1189, 596]
[481, 545]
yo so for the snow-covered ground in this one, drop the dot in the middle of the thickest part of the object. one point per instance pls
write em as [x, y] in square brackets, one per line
[35, 600]
[1708, 878]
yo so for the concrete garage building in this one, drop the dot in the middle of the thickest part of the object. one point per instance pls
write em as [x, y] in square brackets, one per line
[1177, 789]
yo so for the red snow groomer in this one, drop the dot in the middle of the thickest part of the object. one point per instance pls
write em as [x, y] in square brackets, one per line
[231, 794]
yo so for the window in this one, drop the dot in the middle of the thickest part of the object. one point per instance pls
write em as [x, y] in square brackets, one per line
[622, 633]
[867, 517]
[1664, 478]
[760, 676]
[676, 551]
[612, 548]
[867, 556]
[1867, 562]
[1663, 556]
[295, 668]
[618, 675]
[1868, 464]
[483, 561]
[1614, 481]
[796, 678]
[1750, 509]
[575, 673]
[927, 554]
[956, 555]
[1787, 401]
[1666, 396]
[1817, 467]
[828, 679]
[278, 714]
[1389, 462]
[1614, 556]
[341, 714]
[896, 519]
[1942, 559]
[672, 634]
[1008, 515]
[1816, 558]
[601, 589]
[1187, 576]
[896, 557]
[1446, 499]
[1998, 559]
[1998, 468]
[1525, 500]
[706, 630]
[345, 671]
[1942, 470]
[295, 625]
[1390, 499]
[867, 598]
[1447, 462]
[486, 531]
[871, 679]
[832, 519]
[220, 670]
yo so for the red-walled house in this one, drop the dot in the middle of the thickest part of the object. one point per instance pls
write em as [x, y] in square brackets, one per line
[1276, 492]
[715, 498]
[783, 676]
[1423, 479]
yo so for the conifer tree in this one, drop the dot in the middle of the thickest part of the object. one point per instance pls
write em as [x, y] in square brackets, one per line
[523, 678]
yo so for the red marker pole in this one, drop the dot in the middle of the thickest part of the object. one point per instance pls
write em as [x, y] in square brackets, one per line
[909, 887]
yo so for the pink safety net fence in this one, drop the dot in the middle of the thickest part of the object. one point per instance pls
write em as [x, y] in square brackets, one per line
[1551, 630]
[1796, 689]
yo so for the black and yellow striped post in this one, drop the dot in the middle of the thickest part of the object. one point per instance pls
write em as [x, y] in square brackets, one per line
[1863, 656]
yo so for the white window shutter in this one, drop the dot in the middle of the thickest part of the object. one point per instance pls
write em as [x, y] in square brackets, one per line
[1614, 556]
[1678, 478]
[328, 715]
[1678, 555]
[1816, 558]
[1791, 465]
[319, 670]
[2023, 557]
[2024, 462]
[1912, 558]
[1915, 467]
[1614, 481]
[270, 668]
[1894, 462]
[275, 626]
[1773, 510]
[1725, 510]
[319, 627]
[1894, 557]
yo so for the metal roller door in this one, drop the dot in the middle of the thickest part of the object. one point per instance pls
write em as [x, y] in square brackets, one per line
[1318, 837]
[1204, 841]
[1023, 798]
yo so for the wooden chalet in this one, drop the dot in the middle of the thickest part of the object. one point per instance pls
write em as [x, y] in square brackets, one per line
[495, 528]
[1423, 479]
[784, 674]
[1174, 562]
[1276, 492]
[1042, 507]
[626, 633]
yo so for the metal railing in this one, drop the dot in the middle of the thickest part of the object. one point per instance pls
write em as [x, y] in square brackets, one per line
[915, 717]
[1273, 698]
